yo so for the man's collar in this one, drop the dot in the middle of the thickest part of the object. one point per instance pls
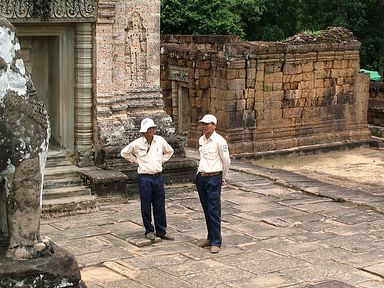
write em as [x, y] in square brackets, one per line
[145, 139]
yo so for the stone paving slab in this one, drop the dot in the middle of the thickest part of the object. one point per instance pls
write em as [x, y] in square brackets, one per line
[332, 284]
[277, 232]
[312, 186]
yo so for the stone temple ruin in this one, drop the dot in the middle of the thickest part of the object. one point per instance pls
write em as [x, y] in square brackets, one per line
[376, 108]
[268, 96]
[96, 65]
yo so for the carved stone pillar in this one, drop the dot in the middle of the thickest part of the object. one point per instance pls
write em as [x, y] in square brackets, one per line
[127, 86]
[83, 94]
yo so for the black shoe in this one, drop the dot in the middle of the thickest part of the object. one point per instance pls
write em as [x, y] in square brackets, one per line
[166, 237]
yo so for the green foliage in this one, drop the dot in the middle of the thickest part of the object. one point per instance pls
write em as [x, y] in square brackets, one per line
[363, 17]
[250, 13]
[278, 21]
[313, 33]
[271, 33]
[199, 17]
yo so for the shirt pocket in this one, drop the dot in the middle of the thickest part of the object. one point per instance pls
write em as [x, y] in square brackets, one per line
[141, 152]
[203, 153]
[212, 153]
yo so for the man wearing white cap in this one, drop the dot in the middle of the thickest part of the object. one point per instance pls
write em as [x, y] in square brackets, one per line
[150, 152]
[212, 172]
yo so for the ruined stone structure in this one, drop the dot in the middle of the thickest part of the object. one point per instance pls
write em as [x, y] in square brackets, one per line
[96, 65]
[267, 95]
[376, 104]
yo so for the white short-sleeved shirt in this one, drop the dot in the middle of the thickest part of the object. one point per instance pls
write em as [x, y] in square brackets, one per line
[150, 158]
[214, 154]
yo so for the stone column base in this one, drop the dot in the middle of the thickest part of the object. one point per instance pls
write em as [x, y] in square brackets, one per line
[60, 269]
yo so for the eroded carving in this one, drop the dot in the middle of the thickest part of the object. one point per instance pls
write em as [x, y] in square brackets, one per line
[136, 50]
[45, 9]
[178, 74]
[24, 136]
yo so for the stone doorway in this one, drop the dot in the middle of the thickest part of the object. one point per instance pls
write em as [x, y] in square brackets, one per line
[181, 103]
[48, 53]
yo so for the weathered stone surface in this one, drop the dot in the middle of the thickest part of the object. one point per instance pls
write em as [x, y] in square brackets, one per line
[302, 93]
[263, 243]
[376, 105]
[331, 284]
[128, 85]
[59, 269]
[104, 182]
[24, 136]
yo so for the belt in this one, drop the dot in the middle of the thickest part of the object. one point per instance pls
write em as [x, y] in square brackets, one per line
[151, 175]
[203, 174]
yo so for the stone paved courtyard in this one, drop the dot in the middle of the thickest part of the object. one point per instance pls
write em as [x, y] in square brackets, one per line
[280, 229]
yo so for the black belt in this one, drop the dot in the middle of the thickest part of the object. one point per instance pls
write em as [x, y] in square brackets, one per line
[203, 174]
[151, 175]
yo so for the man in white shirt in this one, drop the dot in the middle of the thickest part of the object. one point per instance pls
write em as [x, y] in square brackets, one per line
[150, 152]
[212, 172]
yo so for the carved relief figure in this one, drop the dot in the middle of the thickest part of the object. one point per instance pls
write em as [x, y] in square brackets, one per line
[135, 51]
[24, 136]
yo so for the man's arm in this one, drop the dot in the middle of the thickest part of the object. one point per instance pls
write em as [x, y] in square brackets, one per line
[167, 151]
[127, 153]
[224, 155]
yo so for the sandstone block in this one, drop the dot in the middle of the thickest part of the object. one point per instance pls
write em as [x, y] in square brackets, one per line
[236, 84]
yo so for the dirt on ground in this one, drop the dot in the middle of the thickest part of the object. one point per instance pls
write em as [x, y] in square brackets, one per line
[360, 168]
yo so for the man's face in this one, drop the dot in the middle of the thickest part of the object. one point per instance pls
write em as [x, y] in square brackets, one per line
[208, 128]
[151, 131]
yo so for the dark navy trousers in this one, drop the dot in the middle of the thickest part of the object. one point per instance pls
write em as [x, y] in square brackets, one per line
[152, 195]
[209, 189]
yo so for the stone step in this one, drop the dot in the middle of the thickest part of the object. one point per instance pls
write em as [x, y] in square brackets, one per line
[64, 192]
[57, 158]
[57, 162]
[60, 172]
[69, 206]
[107, 200]
[62, 182]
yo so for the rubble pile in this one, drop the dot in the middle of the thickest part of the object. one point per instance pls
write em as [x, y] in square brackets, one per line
[330, 35]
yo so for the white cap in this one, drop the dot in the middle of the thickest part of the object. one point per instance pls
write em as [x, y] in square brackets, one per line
[209, 118]
[146, 123]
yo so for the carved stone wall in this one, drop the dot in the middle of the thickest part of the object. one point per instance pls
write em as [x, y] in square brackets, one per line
[58, 10]
[268, 95]
[127, 87]
[127, 84]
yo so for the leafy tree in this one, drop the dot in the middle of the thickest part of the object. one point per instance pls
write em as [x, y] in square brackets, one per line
[199, 17]
[278, 21]
[372, 38]
[362, 17]
[250, 13]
